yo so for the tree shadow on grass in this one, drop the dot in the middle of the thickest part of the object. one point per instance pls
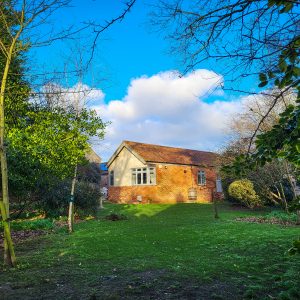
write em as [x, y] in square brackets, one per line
[155, 284]
[137, 258]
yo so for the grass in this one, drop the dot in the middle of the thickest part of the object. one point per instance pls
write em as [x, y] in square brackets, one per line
[39, 224]
[159, 252]
[282, 216]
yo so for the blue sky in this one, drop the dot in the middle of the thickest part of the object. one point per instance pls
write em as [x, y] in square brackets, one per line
[131, 71]
[127, 50]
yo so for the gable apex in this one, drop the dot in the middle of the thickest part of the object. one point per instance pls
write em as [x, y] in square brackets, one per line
[123, 145]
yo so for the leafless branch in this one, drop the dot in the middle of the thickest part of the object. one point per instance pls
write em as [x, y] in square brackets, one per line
[101, 28]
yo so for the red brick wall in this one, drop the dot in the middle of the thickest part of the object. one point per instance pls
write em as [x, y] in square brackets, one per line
[173, 183]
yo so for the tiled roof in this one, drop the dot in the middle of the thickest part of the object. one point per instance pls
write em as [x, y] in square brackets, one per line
[164, 154]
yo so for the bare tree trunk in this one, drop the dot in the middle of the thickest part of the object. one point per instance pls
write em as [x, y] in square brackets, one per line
[101, 202]
[10, 258]
[103, 195]
[281, 196]
[284, 199]
[216, 209]
[9, 254]
[290, 179]
[71, 215]
[215, 205]
[298, 217]
[71, 203]
[7, 257]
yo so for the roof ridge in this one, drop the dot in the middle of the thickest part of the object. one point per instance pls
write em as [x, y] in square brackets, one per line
[126, 141]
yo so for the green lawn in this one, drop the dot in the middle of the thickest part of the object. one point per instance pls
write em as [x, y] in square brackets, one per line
[159, 252]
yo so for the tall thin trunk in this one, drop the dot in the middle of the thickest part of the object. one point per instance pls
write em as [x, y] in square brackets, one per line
[71, 202]
[9, 254]
[214, 200]
[101, 202]
[102, 196]
[4, 171]
[10, 258]
[216, 209]
[298, 217]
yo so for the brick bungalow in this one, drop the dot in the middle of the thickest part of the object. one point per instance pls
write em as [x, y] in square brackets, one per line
[148, 173]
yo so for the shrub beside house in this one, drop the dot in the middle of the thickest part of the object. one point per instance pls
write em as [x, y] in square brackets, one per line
[149, 173]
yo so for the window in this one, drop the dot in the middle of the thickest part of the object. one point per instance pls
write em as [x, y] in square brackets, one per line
[143, 176]
[219, 188]
[201, 178]
[111, 178]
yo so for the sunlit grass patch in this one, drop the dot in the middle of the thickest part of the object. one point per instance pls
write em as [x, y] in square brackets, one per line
[178, 250]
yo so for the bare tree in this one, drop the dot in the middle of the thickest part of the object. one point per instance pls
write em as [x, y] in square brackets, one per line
[245, 32]
[270, 180]
[245, 38]
[255, 109]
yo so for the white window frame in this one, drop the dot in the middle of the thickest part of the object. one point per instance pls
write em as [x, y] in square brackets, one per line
[219, 188]
[148, 171]
[201, 177]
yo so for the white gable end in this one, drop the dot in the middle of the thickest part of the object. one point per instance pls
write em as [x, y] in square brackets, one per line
[122, 165]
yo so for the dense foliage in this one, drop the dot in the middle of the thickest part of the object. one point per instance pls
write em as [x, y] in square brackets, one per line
[17, 88]
[243, 191]
[44, 143]
[54, 198]
[34, 186]
[56, 138]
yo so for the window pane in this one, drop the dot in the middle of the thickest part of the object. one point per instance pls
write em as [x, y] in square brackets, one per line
[139, 178]
[152, 178]
[219, 185]
[201, 178]
[133, 178]
[111, 178]
[144, 178]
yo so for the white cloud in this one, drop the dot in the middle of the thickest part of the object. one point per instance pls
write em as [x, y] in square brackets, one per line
[170, 110]
[79, 94]
[83, 94]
